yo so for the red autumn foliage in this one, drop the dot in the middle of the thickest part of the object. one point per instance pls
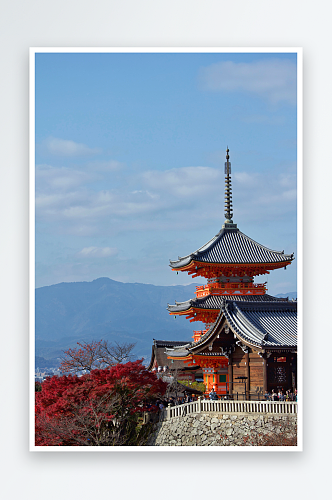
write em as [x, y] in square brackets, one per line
[101, 408]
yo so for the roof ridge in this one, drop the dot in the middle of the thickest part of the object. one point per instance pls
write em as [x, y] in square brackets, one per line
[263, 305]
[232, 246]
[246, 324]
[199, 249]
[282, 252]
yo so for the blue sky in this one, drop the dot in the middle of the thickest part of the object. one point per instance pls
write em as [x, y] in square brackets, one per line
[130, 151]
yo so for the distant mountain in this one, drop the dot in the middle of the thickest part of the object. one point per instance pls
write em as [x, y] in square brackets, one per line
[46, 363]
[290, 295]
[68, 313]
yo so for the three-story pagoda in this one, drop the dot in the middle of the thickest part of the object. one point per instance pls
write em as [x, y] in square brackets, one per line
[231, 301]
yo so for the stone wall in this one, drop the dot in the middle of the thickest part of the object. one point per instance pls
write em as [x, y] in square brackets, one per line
[215, 429]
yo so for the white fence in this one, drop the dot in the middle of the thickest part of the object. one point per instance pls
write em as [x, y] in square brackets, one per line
[208, 406]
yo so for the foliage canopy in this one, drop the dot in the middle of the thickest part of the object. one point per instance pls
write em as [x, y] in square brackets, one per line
[101, 408]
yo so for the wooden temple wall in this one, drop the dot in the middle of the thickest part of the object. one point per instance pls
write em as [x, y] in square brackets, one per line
[280, 372]
[256, 373]
[248, 365]
[239, 370]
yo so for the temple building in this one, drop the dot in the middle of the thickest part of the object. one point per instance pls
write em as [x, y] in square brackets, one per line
[249, 344]
[161, 364]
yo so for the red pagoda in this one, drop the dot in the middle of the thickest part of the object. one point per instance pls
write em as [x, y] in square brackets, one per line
[231, 302]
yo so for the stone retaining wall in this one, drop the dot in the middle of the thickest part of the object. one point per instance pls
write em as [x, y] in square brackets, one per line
[215, 429]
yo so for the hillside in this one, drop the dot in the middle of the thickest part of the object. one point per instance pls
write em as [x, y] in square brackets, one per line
[106, 309]
[68, 313]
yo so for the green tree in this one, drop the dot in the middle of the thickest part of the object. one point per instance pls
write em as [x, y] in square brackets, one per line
[199, 386]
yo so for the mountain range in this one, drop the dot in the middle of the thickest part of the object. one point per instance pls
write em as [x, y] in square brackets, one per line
[67, 313]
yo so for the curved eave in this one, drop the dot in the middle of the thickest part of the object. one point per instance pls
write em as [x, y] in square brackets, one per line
[194, 265]
[179, 354]
[236, 249]
[195, 310]
[153, 357]
[214, 302]
[184, 261]
[163, 344]
[265, 346]
[205, 339]
[208, 303]
[276, 331]
[179, 264]
[190, 348]
[179, 307]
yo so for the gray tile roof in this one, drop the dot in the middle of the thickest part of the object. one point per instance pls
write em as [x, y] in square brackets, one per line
[264, 324]
[169, 343]
[177, 353]
[216, 301]
[159, 355]
[231, 246]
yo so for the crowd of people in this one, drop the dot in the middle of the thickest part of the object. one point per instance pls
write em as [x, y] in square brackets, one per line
[161, 404]
[281, 396]
[174, 401]
[269, 396]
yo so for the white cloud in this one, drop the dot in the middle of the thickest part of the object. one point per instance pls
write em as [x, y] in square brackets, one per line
[168, 190]
[98, 252]
[290, 195]
[264, 195]
[54, 179]
[106, 166]
[154, 196]
[183, 182]
[287, 180]
[66, 194]
[63, 147]
[172, 199]
[245, 179]
[87, 205]
[273, 79]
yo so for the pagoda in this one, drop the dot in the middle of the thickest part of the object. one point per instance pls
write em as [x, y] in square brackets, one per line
[231, 302]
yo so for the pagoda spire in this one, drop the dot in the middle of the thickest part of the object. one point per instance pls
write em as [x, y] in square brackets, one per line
[228, 190]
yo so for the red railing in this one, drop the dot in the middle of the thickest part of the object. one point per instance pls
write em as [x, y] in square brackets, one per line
[198, 333]
[230, 288]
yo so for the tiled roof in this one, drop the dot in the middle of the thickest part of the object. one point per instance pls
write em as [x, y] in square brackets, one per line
[265, 325]
[216, 301]
[177, 353]
[159, 355]
[169, 343]
[230, 246]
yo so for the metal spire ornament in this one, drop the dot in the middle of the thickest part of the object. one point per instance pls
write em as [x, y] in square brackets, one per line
[228, 190]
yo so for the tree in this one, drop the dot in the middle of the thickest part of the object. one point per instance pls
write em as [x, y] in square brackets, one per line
[199, 386]
[101, 408]
[95, 355]
[38, 386]
[172, 386]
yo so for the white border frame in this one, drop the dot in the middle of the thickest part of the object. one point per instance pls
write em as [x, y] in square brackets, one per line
[33, 51]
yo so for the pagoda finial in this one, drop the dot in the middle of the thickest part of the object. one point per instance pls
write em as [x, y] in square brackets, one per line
[228, 190]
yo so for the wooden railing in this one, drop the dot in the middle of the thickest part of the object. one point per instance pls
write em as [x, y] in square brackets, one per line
[198, 333]
[230, 288]
[208, 406]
